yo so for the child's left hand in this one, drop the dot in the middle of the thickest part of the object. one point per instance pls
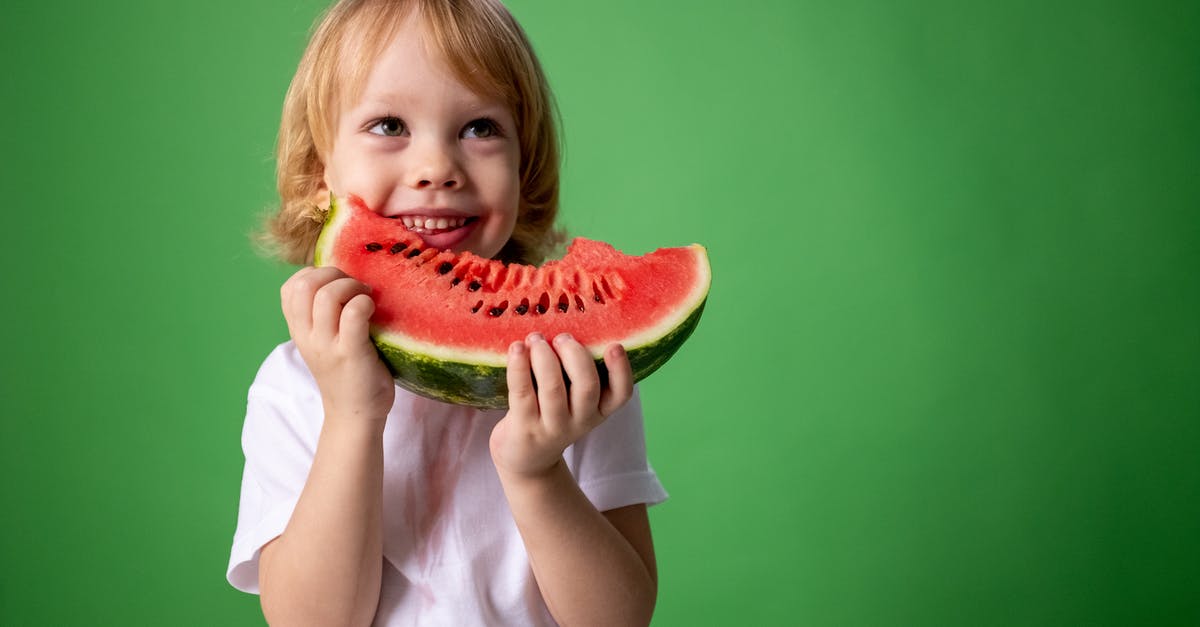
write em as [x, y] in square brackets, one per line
[541, 423]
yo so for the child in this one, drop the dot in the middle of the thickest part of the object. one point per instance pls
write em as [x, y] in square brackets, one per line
[364, 503]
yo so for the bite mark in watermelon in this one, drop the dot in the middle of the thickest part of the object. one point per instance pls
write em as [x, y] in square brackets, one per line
[443, 321]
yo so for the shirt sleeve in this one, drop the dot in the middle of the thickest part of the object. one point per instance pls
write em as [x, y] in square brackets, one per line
[279, 440]
[611, 465]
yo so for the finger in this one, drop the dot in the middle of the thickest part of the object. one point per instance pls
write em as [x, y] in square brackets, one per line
[355, 323]
[292, 297]
[620, 380]
[522, 398]
[547, 371]
[328, 303]
[584, 392]
[298, 291]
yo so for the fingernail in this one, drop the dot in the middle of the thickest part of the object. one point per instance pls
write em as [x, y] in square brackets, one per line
[535, 337]
[516, 348]
[562, 337]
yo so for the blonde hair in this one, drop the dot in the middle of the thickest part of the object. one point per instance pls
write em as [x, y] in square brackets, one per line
[487, 51]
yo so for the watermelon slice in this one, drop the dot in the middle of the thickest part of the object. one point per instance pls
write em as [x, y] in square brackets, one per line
[443, 321]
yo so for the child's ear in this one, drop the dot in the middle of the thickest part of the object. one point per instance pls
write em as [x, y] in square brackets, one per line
[321, 197]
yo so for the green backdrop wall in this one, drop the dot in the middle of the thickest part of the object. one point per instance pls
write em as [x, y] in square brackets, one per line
[950, 369]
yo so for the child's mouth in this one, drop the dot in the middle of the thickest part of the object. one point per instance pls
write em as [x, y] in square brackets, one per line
[440, 232]
[422, 225]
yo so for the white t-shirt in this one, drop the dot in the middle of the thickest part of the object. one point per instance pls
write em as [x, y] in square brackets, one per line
[452, 552]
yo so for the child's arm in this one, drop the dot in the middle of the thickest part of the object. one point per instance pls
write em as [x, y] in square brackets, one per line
[592, 568]
[326, 566]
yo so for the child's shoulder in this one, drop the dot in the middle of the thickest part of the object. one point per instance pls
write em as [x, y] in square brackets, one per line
[283, 370]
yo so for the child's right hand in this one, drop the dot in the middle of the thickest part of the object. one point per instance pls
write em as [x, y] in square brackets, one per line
[328, 316]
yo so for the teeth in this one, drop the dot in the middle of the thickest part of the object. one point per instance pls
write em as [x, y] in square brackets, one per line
[425, 223]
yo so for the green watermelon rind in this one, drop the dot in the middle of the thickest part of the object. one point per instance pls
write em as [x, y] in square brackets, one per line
[324, 245]
[486, 386]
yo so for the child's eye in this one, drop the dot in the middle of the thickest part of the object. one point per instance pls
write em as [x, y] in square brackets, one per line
[483, 127]
[389, 126]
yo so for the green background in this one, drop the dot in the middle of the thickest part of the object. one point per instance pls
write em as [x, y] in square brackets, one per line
[950, 369]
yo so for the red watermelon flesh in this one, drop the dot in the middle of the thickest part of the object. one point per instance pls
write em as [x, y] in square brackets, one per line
[444, 320]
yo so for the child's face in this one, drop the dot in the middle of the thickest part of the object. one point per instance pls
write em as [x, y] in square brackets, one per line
[420, 146]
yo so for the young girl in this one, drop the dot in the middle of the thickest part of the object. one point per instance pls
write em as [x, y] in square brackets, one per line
[362, 503]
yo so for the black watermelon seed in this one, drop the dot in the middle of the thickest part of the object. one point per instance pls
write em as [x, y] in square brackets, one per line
[523, 308]
[475, 309]
[474, 286]
[456, 281]
[540, 308]
[562, 307]
[397, 247]
[495, 311]
[445, 267]
[414, 252]
[374, 246]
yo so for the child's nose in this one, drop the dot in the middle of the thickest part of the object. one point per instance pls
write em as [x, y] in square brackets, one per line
[434, 167]
[431, 180]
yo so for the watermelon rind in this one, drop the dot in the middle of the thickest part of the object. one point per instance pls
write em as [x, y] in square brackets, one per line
[333, 222]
